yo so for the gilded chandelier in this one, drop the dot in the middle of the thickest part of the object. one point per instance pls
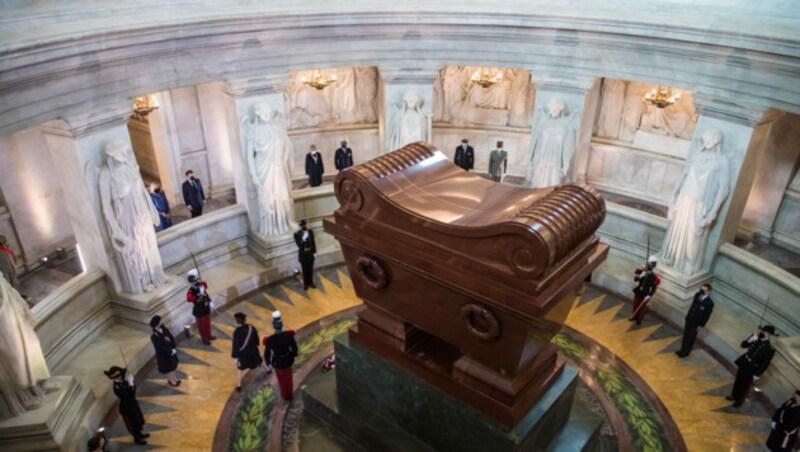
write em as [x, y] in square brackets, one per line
[143, 106]
[318, 80]
[662, 96]
[486, 76]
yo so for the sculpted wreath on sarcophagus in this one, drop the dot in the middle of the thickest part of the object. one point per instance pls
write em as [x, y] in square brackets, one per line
[475, 279]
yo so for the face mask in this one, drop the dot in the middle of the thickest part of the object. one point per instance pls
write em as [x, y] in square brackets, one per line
[303, 227]
[157, 190]
[191, 177]
[762, 336]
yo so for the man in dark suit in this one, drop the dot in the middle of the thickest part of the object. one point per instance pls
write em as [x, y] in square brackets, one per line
[465, 155]
[314, 167]
[306, 249]
[696, 318]
[753, 363]
[193, 195]
[343, 158]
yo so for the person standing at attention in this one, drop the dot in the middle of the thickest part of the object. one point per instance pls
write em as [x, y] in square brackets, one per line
[193, 195]
[280, 350]
[306, 249]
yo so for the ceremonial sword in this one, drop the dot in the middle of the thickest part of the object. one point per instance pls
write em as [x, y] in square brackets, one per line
[214, 307]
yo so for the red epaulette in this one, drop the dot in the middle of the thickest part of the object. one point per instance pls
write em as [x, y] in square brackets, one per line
[658, 281]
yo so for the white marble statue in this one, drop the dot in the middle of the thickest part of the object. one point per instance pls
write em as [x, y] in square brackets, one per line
[268, 151]
[632, 111]
[612, 100]
[344, 96]
[130, 219]
[552, 145]
[23, 373]
[703, 188]
[307, 106]
[677, 120]
[520, 105]
[407, 121]
[366, 93]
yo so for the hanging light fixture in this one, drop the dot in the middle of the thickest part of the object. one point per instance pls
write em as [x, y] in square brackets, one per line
[487, 76]
[318, 80]
[143, 106]
[662, 96]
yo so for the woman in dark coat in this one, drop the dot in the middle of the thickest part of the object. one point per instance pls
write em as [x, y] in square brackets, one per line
[245, 348]
[166, 352]
[785, 424]
[129, 409]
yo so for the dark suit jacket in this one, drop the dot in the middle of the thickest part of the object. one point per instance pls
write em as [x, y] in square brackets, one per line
[314, 170]
[343, 158]
[307, 248]
[700, 311]
[193, 196]
[465, 159]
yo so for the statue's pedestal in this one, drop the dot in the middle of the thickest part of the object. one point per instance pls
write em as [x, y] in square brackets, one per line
[381, 407]
[56, 425]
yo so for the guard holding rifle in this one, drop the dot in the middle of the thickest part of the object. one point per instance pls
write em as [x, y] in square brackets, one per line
[753, 363]
[198, 296]
[645, 289]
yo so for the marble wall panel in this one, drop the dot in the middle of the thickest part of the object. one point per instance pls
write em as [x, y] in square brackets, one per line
[631, 172]
[786, 230]
[362, 139]
[33, 196]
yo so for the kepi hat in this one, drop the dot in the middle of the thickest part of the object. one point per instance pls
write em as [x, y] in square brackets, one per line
[193, 275]
[115, 372]
[155, 320]
[769, 329]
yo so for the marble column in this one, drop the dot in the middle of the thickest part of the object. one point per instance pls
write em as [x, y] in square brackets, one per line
[580, 96]
[242, 98]
[77, 147]
[745, 130]
[400, 87]
[163, 133]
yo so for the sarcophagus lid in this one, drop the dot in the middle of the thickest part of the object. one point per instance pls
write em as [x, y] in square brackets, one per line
[499, 243]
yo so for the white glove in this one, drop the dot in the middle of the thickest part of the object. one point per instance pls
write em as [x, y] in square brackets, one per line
[755, 377]
[174, 352]
[211, 305]
[130, 380]
[774, 424]
[201, 289]
[753, 338]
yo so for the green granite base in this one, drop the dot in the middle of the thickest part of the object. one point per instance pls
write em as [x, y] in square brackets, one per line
[379, 406]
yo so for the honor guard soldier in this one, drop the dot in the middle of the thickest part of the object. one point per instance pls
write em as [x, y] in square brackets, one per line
[343, 157]
[753, 363]
[198, 296]
[244, 349]
[647, 283]
[129, 408]
[465, 155]
[280, 350]
[785, 423]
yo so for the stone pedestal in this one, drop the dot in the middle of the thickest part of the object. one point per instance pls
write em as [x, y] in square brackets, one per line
[55, 426]
[381, 407]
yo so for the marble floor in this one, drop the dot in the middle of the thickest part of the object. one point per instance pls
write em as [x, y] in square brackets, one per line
[692, 390]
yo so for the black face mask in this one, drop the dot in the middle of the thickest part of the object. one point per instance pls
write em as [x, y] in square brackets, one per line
[762, 336]
[191, 177]
[304, 227]
[157, 190]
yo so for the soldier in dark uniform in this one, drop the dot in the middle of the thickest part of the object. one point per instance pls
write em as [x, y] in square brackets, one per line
[166, 351]
[280, 350]
[245, 348]
[129, 409]
[785, 424]
[696, 318]
[465, 156]
[753, 363]
[314, 167]
[645, 289]
[198, 296]
[306, 249]
[343, 158]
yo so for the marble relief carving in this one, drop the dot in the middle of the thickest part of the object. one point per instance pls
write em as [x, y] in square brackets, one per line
[23, 373]
[552, 145]
[268, 153]
[698, 198]
[349, 100]
[460, 101]
[130, 219]
[407, 120]
[623, 113]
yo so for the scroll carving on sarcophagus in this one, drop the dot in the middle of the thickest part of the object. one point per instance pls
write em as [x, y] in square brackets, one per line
[465, 280]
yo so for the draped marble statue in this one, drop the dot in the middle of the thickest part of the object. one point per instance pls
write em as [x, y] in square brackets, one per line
[523, 96]
[306, 106]
[23, 373]
[493, 97]
[455, 82]
[268, 151]
[130, 219]
[344, 96]
[552, 145]
[612, 101]
[703, 188]
[366, 93]
[407, 121]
